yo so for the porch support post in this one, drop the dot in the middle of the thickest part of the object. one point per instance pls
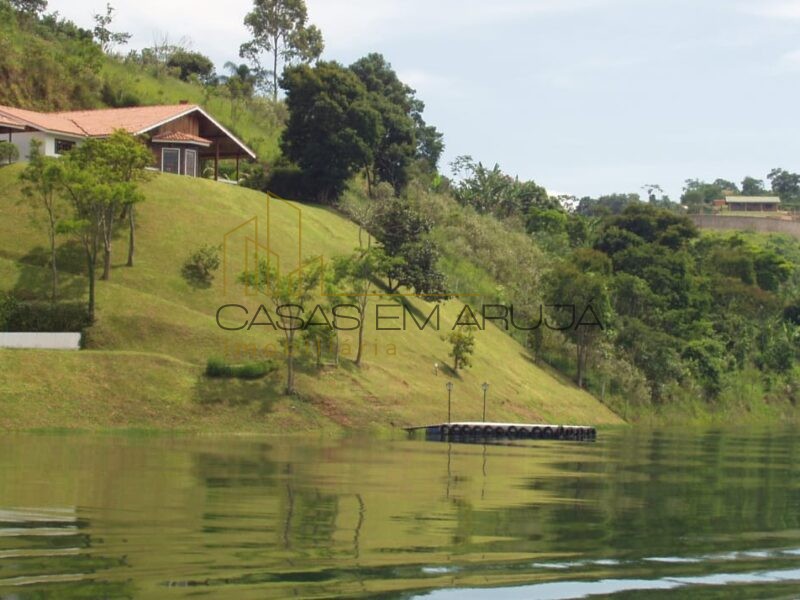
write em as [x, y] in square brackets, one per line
[216, 161]
[237, 168]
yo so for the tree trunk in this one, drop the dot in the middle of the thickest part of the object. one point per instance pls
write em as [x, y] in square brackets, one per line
[90, 264]
[579, 376]
[360, 339]
[132, 238]
[106, 261]
[289, 367]
[275, 71]
[336, 351]
[54, 291]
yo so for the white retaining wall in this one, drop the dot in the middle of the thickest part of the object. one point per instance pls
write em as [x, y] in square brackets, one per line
[48, 341]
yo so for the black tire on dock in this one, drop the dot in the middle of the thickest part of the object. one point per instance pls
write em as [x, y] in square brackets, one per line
[512, 431]
[547, 433]
[487, 430]
[560, 433]
[593, 433]
[456, 429]
[466, 429]
[536, 433]
[580, 434]
[499, 431]
[444, 430]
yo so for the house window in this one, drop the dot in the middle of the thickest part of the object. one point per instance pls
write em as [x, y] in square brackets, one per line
[171, 160]
[64, 146]
[190, 163]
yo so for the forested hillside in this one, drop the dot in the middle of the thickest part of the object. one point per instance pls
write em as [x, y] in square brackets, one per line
[618, 293]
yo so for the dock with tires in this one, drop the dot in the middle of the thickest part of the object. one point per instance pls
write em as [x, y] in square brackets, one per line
[493, 431]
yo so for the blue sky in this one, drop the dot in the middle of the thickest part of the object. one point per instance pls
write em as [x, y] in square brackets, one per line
[584, 96]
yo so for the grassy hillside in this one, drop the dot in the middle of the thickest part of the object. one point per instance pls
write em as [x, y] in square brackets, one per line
[146, 352]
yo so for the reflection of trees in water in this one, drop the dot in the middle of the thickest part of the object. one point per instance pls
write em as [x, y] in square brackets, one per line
[48, 553]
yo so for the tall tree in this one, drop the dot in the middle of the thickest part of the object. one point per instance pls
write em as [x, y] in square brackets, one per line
[356, 276]
[752, 187]
[332, 128]
[579, 288]
[287, 294]
[41, 185]
[280, 29]
[89, 196]
[118, 162]
[127, 159]
[786, 185]
[393, 101]
[102, 33]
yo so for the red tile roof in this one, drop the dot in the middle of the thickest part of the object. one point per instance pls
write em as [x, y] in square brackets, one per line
[179, 136]
[103, 122]
[136, 119]
[10, 122]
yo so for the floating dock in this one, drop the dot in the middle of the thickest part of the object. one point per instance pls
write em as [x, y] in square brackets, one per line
[525, 431]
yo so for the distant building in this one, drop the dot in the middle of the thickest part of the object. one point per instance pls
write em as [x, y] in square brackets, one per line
[180, 136]
[752, 203]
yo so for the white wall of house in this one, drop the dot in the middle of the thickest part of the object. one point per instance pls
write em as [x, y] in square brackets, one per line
[22, 141]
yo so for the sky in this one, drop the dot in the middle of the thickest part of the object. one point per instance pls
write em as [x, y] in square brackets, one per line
[586, 97]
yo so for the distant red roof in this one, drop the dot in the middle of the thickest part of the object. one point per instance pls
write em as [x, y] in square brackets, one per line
[179, 136]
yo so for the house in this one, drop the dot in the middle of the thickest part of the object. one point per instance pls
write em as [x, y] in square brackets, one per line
[752, 203]
[180, 136]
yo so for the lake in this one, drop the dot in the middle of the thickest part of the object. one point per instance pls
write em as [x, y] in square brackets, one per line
[674, 514]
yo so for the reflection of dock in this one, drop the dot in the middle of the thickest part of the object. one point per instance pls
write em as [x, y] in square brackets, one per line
[527, 431]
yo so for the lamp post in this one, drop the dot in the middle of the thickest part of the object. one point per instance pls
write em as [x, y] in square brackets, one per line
[485, 387]
[449, 387]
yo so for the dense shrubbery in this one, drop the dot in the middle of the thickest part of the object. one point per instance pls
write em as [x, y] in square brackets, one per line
[219, 369]
[35, 316]
[198, 269]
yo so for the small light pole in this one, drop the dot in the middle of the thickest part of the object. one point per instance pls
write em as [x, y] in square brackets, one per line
[485, 387]
[449, 387]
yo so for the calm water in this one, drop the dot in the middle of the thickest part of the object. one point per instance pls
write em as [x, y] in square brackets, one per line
[675, 515]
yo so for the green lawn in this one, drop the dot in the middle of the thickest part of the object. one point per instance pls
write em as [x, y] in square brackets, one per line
[154, 333]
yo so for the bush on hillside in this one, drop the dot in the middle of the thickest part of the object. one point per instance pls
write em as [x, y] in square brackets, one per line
[8, 153]
[218, 369]
[37, 316]
[198, 270]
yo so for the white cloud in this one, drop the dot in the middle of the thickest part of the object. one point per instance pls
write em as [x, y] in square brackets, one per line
[776, 9]
[791, 60]
[350, 22]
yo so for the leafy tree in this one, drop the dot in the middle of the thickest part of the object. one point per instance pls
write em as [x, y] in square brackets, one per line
[462, 347]
[34, 8]
[394, 101]
[611, 204]
[116, 164]
[786, 185]
[105, 37]
[41, 186]
[89, 196]
[332, 127]
[127, 159]
[752, 187]
[280, 29]
[8, 152]
[579, 292]
[356, 275]
[191, 63]
[404, 232]
[287, 294]
[495, 192]
[240, 83]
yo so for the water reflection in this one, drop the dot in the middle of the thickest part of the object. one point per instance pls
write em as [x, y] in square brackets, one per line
[673, 513]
